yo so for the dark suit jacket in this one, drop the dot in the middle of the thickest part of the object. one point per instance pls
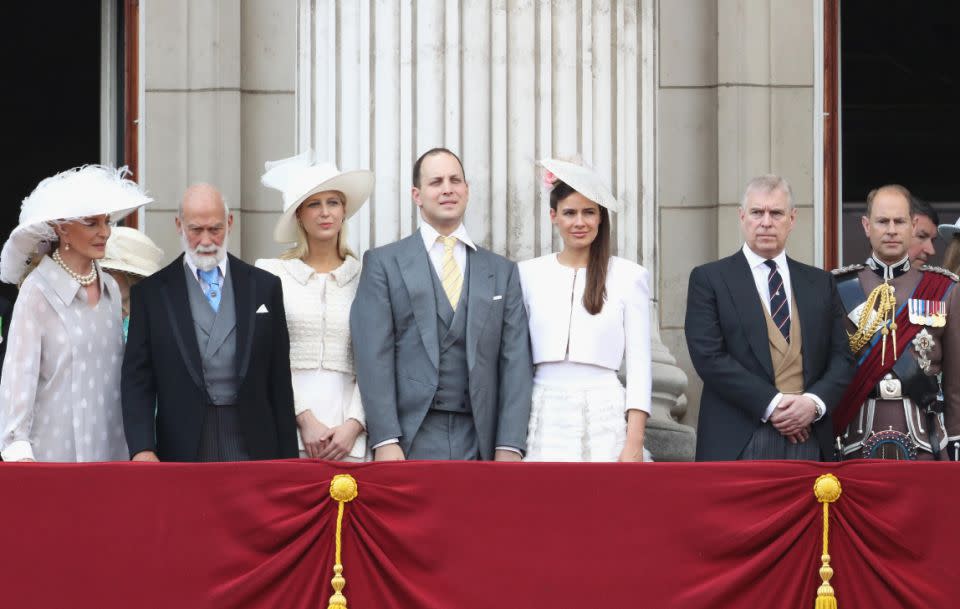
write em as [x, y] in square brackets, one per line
[164, 395]
[727, 339]
[393, 323]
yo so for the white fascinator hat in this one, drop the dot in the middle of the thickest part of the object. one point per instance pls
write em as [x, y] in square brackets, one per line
[949, 231]
[301, 176]
[582, 179]
[81, 192]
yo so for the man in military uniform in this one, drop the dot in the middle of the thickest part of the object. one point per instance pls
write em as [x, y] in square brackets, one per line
[903, 324]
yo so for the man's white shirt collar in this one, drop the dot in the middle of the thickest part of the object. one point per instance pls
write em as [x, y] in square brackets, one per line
[755, 260]
[193, 268]
[430, 236]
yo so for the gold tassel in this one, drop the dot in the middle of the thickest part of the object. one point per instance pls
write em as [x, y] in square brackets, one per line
[872, 319]
[343, 489]
[893, 330]
[827, 490]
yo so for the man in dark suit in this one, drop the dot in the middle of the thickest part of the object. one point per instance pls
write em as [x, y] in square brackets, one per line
[206, 372]
[440, 335]
[766, 335]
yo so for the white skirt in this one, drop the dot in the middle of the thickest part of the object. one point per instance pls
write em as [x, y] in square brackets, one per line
[577, 423]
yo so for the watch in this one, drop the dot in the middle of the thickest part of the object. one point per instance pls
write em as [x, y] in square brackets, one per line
[820, 410]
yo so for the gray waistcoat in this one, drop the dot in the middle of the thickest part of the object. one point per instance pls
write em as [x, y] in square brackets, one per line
[217, 339]
[453, 388]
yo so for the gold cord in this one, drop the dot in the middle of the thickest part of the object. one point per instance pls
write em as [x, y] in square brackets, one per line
[880, 307]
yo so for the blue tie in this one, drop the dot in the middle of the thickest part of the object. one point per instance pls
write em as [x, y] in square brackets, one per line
[779, 310]
[212, 278]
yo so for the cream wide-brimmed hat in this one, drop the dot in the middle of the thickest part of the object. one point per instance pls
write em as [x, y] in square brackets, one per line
[300, 177]
[582, 179]
[77, 193]
[130, 251]
[948, 231]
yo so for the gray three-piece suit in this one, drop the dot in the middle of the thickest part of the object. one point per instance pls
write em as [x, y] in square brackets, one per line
[448, 383]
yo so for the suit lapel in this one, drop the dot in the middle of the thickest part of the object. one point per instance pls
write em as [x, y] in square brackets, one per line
[244, 294]
[743, 292]
[806, 299]
[413, 262]
[181, 319]
[479, 300]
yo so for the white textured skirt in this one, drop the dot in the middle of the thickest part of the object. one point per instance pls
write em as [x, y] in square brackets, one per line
[585, 421]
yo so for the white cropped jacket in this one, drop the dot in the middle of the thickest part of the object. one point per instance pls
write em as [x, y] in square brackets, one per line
[562, 329]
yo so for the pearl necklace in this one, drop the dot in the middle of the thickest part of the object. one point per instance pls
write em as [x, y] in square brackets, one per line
[83, 280]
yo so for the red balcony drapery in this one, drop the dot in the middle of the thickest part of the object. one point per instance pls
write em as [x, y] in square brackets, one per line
[476, 535]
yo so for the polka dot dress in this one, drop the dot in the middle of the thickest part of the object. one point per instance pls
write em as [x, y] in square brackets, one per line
[60, 386]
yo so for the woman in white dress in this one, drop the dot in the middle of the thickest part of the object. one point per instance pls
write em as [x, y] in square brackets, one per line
[588, 313]
[60, 388]
[319, 275]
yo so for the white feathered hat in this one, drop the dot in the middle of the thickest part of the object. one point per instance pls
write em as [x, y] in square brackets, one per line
[130, 251]
[582, 179]
[77, 193]
[301, 176]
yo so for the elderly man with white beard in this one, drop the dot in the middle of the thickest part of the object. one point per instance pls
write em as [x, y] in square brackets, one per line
[206, 372]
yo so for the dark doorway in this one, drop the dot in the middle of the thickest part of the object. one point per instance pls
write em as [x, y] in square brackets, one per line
[900, 107]
[52, 93]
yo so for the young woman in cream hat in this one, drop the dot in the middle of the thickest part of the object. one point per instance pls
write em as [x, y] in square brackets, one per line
[60, 388]
[588, 312]
[130, 256]
[319, 275]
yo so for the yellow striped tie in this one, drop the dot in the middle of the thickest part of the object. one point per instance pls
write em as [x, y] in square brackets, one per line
[450, 276]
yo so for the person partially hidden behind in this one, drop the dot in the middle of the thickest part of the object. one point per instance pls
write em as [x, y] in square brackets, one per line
[765, 334]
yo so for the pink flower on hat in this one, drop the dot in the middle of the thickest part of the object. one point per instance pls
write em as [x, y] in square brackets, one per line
[548, 179]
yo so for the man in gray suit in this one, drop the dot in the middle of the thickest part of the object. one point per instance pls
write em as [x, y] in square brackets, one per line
[440, 335]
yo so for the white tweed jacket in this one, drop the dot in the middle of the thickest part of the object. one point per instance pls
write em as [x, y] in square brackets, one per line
[314, 329]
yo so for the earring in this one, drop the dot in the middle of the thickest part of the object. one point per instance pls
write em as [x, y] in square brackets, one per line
[66, 247]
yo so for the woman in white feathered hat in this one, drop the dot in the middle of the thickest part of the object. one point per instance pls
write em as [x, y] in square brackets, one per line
[319, 275]
[588, 313]
[60, 387]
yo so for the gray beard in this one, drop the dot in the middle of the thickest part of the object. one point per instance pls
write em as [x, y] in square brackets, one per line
[205, 261]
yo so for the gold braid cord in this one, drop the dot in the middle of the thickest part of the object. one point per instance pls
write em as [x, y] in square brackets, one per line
[827, 490]
[343, 489]
[881, 306]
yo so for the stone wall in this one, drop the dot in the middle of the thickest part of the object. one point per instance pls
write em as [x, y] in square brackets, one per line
[219, 79]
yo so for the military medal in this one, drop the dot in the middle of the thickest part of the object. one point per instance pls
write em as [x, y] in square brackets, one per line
[913, 311]
[932, 313]
[923, 343]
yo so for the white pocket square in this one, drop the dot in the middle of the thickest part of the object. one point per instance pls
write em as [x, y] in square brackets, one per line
[263, 309]
[498, 297]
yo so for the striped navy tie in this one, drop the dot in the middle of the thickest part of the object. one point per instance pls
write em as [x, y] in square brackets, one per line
[779, 310]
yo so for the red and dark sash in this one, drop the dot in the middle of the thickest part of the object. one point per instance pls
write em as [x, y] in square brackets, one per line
[932, 286]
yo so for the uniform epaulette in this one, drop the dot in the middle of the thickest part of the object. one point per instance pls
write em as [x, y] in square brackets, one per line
[940, 270]
[843, 270]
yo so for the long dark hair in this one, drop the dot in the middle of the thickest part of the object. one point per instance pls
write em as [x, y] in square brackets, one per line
[595, 293]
